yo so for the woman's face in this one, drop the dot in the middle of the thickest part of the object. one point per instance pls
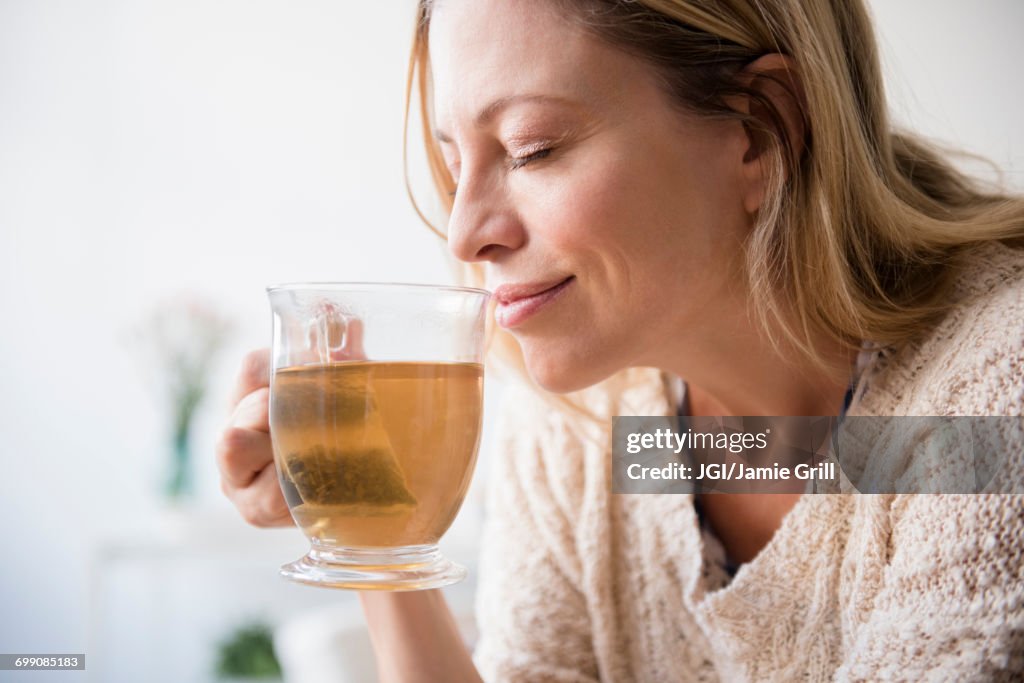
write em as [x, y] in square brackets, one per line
[576, 172]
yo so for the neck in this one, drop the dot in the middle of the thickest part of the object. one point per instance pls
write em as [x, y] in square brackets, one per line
[741, 373]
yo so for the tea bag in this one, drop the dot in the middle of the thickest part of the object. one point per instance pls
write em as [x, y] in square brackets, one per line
[368, 480]
[356, 467]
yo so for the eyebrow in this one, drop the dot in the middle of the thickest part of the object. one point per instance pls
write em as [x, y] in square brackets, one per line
[494, 108]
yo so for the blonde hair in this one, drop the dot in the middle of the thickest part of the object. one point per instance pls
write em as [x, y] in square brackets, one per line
[863, 233]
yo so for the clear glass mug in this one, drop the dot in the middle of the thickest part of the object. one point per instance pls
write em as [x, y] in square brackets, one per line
[376, 402]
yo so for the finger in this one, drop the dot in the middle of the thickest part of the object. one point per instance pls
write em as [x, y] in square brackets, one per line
[352, 349]
[261, 503]
[242, 454]
[254, 374]
[253, 412]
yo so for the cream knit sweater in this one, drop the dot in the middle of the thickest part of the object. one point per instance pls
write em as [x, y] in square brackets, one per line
[577, 584]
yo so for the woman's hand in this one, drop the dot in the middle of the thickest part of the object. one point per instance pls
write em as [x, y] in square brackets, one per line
[244, 454]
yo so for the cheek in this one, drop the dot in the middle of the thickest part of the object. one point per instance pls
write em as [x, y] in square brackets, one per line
[584, 222]
[642, 232]
[614, 222]
[587, 210]
[581, 224]
[629, 223]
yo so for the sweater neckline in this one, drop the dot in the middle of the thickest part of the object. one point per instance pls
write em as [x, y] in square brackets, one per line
[713, 559]
[747, 574]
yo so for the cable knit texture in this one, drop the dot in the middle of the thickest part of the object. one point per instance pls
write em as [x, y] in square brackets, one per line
[580, 585]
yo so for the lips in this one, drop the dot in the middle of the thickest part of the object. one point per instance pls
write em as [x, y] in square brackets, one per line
[517, 302]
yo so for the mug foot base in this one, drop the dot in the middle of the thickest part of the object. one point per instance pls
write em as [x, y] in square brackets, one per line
[385, 569]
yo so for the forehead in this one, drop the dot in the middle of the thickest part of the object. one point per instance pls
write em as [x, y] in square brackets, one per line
[482, 50]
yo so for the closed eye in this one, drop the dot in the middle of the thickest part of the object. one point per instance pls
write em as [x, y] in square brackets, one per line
[519, 162]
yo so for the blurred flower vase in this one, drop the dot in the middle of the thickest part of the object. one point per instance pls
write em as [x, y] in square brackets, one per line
[181, 339]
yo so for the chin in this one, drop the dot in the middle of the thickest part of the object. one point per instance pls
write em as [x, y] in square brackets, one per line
[561, 374]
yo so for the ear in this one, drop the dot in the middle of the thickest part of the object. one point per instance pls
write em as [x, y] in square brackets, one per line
[777, 103]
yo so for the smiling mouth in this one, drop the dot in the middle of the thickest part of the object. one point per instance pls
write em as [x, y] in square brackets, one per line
[511, 312]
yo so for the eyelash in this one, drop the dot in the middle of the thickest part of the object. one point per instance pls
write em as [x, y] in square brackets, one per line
[518, 162]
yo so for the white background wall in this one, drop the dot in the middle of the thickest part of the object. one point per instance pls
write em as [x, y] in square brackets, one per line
[953, 73]
[150, 147]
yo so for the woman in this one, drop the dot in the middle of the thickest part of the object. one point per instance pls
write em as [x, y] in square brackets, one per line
[660, 190]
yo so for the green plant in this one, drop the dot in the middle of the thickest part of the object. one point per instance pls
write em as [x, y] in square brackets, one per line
[248, 652]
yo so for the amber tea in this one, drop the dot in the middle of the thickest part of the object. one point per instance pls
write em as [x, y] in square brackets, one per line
[373, 453]
[376, 403]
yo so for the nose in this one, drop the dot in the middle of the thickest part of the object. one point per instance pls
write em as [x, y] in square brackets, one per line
[483, 223]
